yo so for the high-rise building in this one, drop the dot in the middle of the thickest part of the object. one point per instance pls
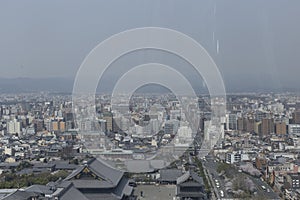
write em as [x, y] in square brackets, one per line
[267, 126]
[296, 117]
[69, 125]
[55, 126]
[154, 126]
[259, 115]
[109, 121]
[117, 124]
[87, 125]
[257, 127]
[102, 123]
[280, 128]
[14, 127]
[62, 126]
[201, 123]
[231, 122]
[175, 114]
[169, 128]
[294, 129]
[207, 125]
[69, 119]
[240, 124]
[249, 124]
[38, 125]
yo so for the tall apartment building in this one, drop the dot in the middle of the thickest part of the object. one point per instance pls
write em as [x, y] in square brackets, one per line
[14, 127]
[109, 121]
[240, 124]
[267, 127]
[231, 122]
[249, 124]
[296, 117]
[294, 129]
[62, 126]
[55, 126]
[38, 125]
[280, 128]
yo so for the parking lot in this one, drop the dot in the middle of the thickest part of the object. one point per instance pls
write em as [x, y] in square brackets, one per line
[158, 192]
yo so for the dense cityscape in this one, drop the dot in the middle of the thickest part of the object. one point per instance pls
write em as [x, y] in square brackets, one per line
[149, 100]
[44, 156]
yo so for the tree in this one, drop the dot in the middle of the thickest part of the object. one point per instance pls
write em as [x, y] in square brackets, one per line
[23, 165]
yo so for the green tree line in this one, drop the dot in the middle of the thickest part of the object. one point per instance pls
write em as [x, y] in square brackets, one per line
[11, 180]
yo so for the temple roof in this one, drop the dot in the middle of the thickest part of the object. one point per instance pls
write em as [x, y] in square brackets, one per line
[109, 176]
[190, 176]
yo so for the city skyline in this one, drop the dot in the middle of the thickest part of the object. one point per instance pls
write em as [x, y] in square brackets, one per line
[254, 44]
[160, 99]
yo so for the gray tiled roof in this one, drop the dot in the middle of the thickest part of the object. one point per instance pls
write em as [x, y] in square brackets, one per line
[70, 192]
[197, 178]
[110, 178]
[110, 175]
[73, 194]
[169, 175]
[105, 171]
[75, 172]
[123, 188]
[188, 175]
[20, 195]
[65, 166]
[40, 189]
[92, 184]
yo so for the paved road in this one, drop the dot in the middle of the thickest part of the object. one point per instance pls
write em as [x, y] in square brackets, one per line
[211, 165]
[212, 184]
[268, 193]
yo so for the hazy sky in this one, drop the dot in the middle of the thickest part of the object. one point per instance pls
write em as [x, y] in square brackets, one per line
[259, 39]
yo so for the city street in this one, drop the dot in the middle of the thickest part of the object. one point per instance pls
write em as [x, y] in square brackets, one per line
[211, 165]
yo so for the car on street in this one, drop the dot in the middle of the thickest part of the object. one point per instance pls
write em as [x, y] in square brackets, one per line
[221, 193]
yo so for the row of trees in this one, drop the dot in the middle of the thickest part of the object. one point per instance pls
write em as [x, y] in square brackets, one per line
[9, 180]
[202, 174]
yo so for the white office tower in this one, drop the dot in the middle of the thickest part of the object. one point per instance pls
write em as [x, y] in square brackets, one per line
[294, 129]
[14, 127]
[175, 114]
[138, 130]
[155, 126]
[125, 123]
[85, 125]
[102, 123]
[213, 135]
[182, 141]
[231, 121]
[142, 131]
[185, 133]
[207, 124]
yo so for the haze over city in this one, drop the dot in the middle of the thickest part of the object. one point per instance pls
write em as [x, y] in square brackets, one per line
[258, 40]
[149, 99]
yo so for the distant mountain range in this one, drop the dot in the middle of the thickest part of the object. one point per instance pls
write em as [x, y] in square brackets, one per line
[65, 85]
[15, 85]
